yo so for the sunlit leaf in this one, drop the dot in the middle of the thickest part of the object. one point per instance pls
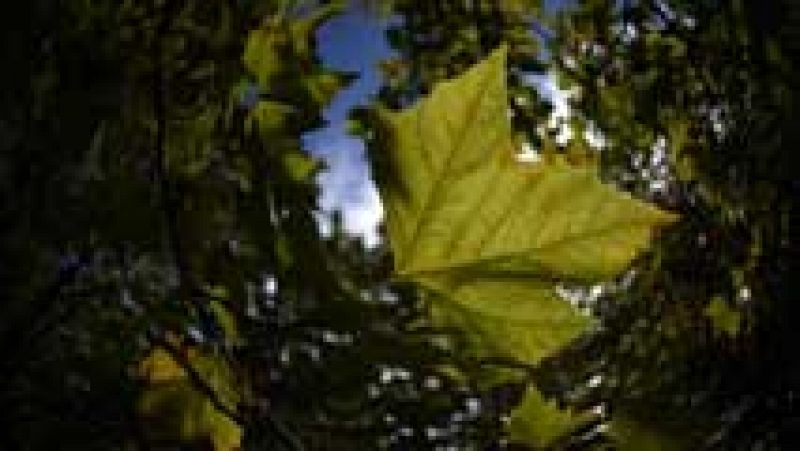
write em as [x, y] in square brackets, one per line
[176, 409]
[539, 422]
[225, 318]
[261, 55]
[282, 44]
[270, 118]
[300, 166]
[724, 319]
[493, 236]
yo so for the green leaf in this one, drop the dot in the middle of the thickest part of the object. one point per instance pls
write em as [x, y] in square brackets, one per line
[300, 166]
[538, 422]
[493, 236]
[270, 118]
[282, 45]
[261, 56]
[509, 320]
[724, 319]
[542, 424]
[226, 320]
[323, 86]
[176, 409]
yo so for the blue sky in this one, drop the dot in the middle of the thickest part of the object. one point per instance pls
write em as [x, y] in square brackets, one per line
[355, 41]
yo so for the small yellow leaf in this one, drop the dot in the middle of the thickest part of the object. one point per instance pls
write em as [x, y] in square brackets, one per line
[726, 320]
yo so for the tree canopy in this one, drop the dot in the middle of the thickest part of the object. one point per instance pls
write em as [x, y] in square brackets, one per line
[616, 275]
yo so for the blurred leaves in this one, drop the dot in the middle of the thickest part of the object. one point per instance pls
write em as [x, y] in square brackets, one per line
[153, 184]
[173, 404]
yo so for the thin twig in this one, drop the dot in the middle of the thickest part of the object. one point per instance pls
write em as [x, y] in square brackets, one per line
[187, 286]
[198, 382]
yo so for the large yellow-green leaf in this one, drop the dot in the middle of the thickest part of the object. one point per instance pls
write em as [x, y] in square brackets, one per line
[491, 234]
[527, 324]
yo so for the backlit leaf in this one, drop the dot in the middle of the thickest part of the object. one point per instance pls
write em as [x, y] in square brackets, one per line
[724, 319]
[493, 236]
[177, 410]
[539, 422]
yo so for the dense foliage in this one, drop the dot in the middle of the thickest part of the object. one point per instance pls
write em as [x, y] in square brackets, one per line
[689, 105]
[698, 102]
[169, 284]
[165, 285]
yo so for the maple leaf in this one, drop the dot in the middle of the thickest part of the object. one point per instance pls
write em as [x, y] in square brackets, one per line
[489, 235]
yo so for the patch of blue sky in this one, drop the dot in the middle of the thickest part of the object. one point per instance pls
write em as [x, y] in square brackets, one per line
[353, 42]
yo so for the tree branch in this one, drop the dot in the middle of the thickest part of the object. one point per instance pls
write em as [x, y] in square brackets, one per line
[197, 380]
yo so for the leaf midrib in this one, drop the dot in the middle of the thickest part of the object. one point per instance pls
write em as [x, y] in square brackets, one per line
[446, 267]
[526, 321]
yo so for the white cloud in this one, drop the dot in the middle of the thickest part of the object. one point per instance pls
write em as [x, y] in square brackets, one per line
[547, 86]
[347, 187]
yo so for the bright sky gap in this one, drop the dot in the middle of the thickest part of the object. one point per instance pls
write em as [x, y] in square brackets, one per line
[355, 42]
